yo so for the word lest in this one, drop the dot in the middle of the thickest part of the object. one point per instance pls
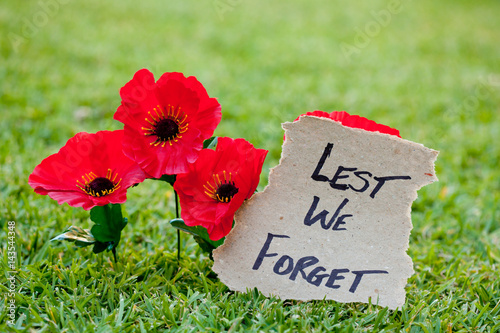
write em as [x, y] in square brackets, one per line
[285, 265]
[359, 174]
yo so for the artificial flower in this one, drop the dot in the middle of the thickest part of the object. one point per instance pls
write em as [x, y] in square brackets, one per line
[218, 182]
[166, 121]
[90, 170]
[353, 121]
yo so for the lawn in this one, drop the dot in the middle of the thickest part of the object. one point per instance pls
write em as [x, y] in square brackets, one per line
[428, 68]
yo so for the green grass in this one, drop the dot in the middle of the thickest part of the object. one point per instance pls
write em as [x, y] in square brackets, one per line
[432, 71]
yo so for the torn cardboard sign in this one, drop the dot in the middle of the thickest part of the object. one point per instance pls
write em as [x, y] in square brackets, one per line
[334, 221]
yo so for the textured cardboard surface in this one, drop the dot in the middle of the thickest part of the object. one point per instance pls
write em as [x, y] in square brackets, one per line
[279, 247]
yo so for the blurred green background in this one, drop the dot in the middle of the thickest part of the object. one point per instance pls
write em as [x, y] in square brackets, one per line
[428, 68]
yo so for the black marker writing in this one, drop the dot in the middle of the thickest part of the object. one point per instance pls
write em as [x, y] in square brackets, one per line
[322, 216]
[339, 181]
[287, 265]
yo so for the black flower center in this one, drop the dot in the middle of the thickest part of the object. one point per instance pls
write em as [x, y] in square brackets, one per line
[101, 186]
[166, 129]
[226, 191]
[221, 187]
[167, 124]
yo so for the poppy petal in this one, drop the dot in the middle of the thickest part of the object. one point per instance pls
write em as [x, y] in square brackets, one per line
[166, 125]
[68, 176]
[218, 183]
[353, 121]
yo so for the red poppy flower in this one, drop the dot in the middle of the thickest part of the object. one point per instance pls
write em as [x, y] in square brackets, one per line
[166, 121]
[217, 184]
[90, 170]
[353, 121]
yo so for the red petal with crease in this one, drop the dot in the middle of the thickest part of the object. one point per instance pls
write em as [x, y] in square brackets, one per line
[234, 162]
[63, 176]
[176, 98]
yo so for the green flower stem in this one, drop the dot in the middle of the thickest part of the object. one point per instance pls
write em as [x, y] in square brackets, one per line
[113, 250]
[178, 231]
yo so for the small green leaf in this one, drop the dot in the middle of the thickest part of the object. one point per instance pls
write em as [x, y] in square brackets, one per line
[81, 237]
[204, 245]
[210, 143]
[200, 235]
[109, 223]
[99, 247]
